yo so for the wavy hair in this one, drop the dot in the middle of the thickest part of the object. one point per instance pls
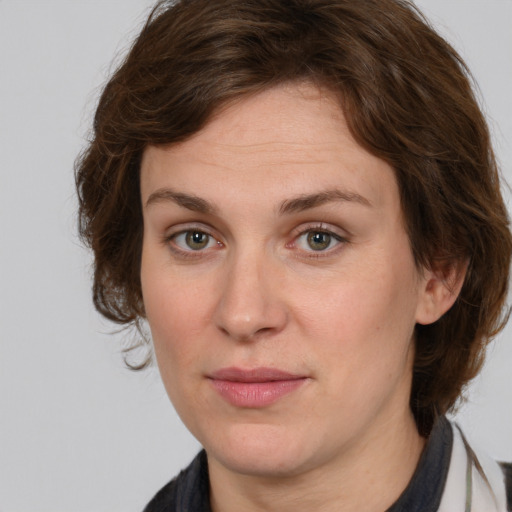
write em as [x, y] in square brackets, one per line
[408, 99]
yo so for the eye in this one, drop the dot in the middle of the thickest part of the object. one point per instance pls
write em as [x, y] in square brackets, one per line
[194, 240]
[317, 240]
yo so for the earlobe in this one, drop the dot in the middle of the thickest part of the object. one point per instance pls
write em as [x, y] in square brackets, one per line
[439, 290]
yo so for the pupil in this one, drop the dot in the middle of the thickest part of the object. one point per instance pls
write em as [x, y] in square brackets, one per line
[319, 241]
[197, 240]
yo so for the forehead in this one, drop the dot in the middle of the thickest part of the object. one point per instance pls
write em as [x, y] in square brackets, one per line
[288, 140]
[287, 112]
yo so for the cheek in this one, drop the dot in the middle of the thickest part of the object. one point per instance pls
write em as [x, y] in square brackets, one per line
[365, 317]
[373, 302]
[174, 318]
[176, 321]
[175, 311]
[362, 334]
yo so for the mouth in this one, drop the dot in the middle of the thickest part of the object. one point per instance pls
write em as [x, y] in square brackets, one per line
[254, 388]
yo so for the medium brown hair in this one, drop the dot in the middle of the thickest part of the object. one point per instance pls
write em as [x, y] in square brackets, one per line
[408, 99]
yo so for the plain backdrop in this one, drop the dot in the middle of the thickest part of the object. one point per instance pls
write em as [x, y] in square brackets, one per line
[78, 432]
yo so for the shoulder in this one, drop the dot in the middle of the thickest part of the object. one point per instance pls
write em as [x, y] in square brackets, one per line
[164, 499]
[507, 470]
[189, 491]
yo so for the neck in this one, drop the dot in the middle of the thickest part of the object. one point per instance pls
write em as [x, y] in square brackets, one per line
[370, 477]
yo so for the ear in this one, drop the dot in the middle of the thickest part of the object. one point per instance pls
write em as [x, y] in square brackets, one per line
[439, 290]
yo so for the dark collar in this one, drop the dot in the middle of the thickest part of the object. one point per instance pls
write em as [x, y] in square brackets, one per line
[424, 492]
[188, 492]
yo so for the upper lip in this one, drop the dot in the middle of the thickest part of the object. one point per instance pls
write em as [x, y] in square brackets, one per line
[261, 374]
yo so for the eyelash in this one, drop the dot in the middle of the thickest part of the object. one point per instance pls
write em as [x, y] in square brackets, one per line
[170, 241]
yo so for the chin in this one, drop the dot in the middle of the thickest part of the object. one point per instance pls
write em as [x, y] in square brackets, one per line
[260, 450]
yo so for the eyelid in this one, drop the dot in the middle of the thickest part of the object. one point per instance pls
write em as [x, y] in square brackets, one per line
[190, 226]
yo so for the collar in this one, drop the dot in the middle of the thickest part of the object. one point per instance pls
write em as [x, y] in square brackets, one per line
[425, 490]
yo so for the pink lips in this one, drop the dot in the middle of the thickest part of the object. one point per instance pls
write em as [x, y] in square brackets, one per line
[254, 388]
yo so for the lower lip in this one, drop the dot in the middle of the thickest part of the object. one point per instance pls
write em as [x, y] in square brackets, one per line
[255, 394]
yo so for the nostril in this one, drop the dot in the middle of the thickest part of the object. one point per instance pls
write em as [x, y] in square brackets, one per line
[264, 330]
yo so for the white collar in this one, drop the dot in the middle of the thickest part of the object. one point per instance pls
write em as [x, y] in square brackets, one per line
[475, 482]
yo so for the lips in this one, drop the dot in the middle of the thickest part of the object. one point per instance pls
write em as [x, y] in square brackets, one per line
[254, 388]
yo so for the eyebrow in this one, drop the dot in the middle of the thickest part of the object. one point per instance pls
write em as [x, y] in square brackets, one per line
[188, 201]
[308, 201]
[294, 205]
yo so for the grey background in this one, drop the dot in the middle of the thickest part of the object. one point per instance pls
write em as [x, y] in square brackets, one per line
[78, 432]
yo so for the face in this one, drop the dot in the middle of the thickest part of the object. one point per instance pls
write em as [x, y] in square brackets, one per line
[279, 284]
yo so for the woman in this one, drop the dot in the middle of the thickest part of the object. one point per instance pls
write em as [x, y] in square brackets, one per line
[302, 201]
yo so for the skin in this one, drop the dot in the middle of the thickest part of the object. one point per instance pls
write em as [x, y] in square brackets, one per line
[326, 289]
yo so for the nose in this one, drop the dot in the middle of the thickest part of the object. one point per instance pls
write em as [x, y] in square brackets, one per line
[250, 302]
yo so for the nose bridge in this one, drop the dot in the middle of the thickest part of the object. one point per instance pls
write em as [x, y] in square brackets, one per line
[249, 303]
